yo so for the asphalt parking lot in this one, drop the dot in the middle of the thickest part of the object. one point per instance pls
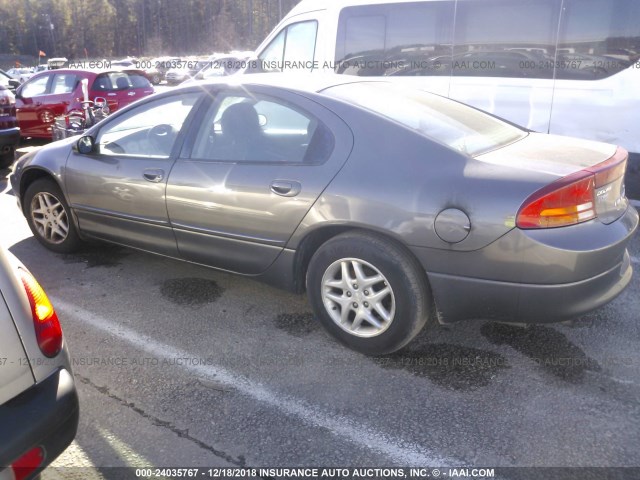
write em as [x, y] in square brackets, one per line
[178, 365]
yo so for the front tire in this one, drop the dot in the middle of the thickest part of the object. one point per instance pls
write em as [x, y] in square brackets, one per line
[368, 292]
[49, 217]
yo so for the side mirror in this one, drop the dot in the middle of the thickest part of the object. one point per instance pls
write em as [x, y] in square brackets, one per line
[86, 145]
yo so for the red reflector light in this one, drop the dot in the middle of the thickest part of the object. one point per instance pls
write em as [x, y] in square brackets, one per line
[45, 319]
[571, 199]
[28, 463]
[610, 170]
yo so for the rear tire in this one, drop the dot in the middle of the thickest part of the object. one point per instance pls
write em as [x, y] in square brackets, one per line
[368, 292]
[49, 217]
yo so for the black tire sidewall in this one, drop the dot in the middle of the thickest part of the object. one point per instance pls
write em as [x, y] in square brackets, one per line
[404, 275]
[72, 242]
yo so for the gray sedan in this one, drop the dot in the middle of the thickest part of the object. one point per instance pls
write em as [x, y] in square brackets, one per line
[393, 208]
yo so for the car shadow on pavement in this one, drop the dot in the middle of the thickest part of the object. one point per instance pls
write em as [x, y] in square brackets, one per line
[546, 347]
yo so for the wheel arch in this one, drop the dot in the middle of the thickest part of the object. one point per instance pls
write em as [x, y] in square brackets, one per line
[31, 175]
[314, 239]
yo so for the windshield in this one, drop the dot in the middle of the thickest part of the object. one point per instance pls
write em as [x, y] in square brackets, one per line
[460, 127]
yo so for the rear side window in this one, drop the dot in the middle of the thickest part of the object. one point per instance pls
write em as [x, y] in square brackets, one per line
[598, 38]
[405, 39]
[114, 81]
[292, 49]
[256, 128]
[506, 38]
[460, 127]
[63, 83]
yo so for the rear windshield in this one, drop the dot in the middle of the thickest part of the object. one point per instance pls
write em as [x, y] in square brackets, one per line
[454, 124]
[113, 81]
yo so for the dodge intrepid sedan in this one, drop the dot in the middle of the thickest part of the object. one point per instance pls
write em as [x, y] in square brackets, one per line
[393, 208]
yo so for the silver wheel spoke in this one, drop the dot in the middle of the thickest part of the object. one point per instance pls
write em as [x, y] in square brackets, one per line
[379, 296]
[344, 317]
[337, 299]
[346, 275]
[386, 316]
[40, 220]
[357, 322]
[373, 320]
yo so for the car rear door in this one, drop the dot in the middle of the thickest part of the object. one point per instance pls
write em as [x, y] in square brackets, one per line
[249, 174]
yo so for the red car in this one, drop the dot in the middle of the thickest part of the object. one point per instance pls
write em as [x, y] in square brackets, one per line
[53, 93]
[9, 132]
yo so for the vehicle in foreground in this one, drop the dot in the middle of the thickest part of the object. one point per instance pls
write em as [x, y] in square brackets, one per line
[38, 400]
[58, 92]
[393, 208]
[9, 131]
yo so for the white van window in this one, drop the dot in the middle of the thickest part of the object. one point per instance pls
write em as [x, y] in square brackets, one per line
[460, 127]
[506, 38]
[598, 38]
[399, 39]
[292, 49]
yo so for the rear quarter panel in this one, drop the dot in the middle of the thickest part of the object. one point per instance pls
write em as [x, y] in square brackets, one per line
[397, 181]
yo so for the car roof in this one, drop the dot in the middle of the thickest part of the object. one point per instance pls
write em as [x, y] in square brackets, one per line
[88, 72]
[313, 5]
[303, 82]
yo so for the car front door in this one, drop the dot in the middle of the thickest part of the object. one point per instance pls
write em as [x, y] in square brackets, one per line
[249, 175]
[118, 192]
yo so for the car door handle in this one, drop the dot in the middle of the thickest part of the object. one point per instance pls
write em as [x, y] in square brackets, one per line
[286, 188]
[153, 175]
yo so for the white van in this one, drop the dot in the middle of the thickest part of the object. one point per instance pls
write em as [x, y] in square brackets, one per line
[569, 67]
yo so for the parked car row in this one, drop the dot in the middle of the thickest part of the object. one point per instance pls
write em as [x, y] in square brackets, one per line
[53, 93]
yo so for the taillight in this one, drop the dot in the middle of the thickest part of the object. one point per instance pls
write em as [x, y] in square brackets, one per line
[28, 463]
[45, 319]
[571, 199]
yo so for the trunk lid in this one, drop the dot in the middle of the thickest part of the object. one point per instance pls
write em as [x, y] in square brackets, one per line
[557, 157]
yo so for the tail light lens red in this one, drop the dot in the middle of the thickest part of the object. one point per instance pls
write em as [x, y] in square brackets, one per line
[570, 200]
[45, 319]
[28, 463]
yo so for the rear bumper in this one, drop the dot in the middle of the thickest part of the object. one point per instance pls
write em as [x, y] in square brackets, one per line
[46, 415]
[534, 276]
[460, 298]
[9, 138]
